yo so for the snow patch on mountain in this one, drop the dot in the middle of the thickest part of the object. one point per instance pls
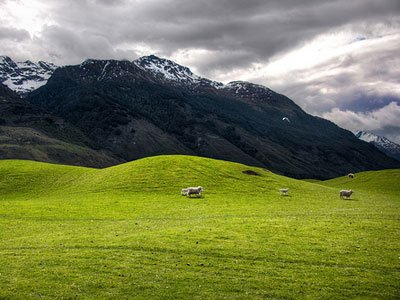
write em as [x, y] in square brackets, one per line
[24, 77]
[240, 86]
[385, 145]
[174, 73]
[168, 69]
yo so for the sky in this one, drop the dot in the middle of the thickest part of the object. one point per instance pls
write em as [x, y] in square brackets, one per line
[337, 59]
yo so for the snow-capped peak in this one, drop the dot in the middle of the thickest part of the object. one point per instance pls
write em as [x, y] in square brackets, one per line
[168, 69]
[244, 85]
[248, 90]
[24, 77]
[175, 73]
[371, 137]
[385, 145]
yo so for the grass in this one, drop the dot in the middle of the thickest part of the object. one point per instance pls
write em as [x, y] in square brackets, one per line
[125, 232]
[381, 182]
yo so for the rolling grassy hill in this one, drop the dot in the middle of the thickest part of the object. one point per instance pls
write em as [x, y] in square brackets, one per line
[382, 182]
[125, 232]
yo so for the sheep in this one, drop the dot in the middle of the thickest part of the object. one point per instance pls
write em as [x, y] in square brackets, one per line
[346, 193]
[194, 191]
[284, 191]
[350, 175]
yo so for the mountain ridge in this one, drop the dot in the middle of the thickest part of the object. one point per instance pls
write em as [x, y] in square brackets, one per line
[17, 74]
[31, 132]
[382, 143]
[155, 106]
[24, 77]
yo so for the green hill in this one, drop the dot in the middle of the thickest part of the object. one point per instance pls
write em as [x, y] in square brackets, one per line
[126, 232]
[382, 182]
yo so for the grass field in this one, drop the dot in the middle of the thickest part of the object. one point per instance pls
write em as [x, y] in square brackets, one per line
[125, 232]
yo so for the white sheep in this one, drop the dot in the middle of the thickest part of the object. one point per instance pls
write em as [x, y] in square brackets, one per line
[184, 192]
[194, 191]
[346, 193]
[350, 175]
[284, 191]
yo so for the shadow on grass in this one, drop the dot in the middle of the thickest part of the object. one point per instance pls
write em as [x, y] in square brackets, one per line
[194, 198]
[349, 199]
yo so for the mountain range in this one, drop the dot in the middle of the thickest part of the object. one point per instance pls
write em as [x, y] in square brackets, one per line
[385, 145]
[125, 110]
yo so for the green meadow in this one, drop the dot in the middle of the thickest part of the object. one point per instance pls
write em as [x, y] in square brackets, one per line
[125, 232]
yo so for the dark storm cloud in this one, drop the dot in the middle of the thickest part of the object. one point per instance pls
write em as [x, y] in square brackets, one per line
[260, 28]
[257, 27]
[361, 103]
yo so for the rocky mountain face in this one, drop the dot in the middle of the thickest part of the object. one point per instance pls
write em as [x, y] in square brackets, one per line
[385, 145]
[30, 132]
[24, 77]
[154, 106]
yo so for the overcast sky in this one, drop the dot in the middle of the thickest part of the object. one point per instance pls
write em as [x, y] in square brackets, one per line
[338, 59]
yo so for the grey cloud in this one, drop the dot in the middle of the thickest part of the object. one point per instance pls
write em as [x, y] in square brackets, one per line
[111, 2]
[260, 28]
[65, 42]
[385, 121]
[390, 132]
[255, 27]
[215, 62]
[60, 43]
[359, 81]
[14, 34]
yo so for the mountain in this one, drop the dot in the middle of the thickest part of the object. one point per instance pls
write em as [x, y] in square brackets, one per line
[29, 132]
[24, 77]
[173, 73]
[154, 106]
[385, 145]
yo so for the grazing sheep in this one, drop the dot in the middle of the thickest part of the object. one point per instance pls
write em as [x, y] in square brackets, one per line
[194, 191]
[284, 192]
[345, 193]
[350, 175]
[184, 192]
